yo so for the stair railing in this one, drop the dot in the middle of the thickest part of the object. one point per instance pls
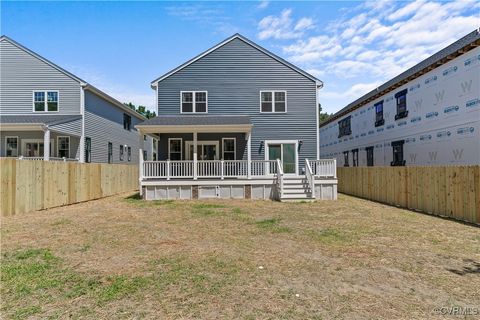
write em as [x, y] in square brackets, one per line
[310, 177]
[280, 178]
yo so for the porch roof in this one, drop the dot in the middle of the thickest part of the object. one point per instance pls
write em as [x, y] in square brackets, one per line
[35, 122]
[196, 123]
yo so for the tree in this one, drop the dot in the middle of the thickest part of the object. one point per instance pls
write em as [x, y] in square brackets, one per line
[142, 110]
[323, 116]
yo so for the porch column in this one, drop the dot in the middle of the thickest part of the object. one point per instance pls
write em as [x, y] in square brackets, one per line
[46, 144]
[194, 156]
[249, 155]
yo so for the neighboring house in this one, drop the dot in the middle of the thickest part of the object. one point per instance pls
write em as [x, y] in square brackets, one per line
[428, 115]
[47, 112]
[227, 115]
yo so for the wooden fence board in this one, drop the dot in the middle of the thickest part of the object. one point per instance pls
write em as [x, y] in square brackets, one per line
[29, 185]
[452, 191]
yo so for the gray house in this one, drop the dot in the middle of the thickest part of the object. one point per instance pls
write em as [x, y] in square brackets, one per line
[48, 113]
[236, 121]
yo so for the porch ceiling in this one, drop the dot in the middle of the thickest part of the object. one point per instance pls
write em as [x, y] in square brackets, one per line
[196, 123]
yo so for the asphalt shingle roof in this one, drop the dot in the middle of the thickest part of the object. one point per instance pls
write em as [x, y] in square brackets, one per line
[47, 119]
[196, 120]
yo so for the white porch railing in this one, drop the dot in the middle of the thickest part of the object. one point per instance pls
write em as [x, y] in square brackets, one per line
[310, 177]
[280, 178]
[324, 168]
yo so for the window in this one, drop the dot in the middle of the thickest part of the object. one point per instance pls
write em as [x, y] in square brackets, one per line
[344, 128]
[369, 156]
[129, 153]
[402, 111]
[63, 147]
[194, 102]
[110, 152]
[273, 101]
[88, 150]
[355, 157]
[45, 101]
[397, 147]
[127, 122]
[345, 159]
[11, 146]
[228, 148]
[379, 121]
[121, 152]
[175, 148]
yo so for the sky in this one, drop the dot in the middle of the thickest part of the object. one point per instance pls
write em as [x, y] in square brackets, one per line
[352, 46]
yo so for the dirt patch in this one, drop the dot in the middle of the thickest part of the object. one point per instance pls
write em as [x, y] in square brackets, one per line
[121, 257]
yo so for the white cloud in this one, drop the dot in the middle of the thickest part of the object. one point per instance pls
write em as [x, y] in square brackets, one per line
[283, 26]
[263, 4]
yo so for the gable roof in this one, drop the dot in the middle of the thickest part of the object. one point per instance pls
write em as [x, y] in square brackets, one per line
[247, 41]
[450, 52]
[83, 83]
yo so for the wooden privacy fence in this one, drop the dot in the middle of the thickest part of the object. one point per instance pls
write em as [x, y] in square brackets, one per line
[29, 185]
[452, 191]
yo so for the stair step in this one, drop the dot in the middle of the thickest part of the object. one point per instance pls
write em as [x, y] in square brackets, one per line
[295, 191]
[295, 196]
[296, 186]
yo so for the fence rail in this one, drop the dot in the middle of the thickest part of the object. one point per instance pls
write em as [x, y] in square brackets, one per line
[36, 185]
[452, 191]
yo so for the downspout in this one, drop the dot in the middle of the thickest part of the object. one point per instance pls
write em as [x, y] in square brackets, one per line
[318, 86]
[81, 156]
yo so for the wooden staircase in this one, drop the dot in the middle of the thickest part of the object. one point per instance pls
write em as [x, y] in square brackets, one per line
[296, 188]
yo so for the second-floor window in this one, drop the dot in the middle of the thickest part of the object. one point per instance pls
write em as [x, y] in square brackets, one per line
[127, 122]
[273, 101]
[401, 98]
[45, 101]
[344, 127]
[194, 102]
[379, 121]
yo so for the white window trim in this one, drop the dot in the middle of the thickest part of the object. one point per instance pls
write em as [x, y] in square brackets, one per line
[201, 143]
[45, 102]
[58, 146]
[234, 147]
[25, 141]
[193, 101]
[273, 101]
[181, 147]
[267, 147]
[18, 145]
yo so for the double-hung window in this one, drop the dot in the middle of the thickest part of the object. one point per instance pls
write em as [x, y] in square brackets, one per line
[401, 98]
[127, 122]
[121, 152]
[11, 146]
[228, 148]
[45, 101]
[194, 102]
[63, 147]
[175, 148]
[379, 121]
[273, 101]
[344, 127]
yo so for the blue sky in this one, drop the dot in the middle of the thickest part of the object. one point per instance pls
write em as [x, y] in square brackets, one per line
[352, 46]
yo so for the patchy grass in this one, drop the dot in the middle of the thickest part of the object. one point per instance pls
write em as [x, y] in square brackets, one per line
[126, 258]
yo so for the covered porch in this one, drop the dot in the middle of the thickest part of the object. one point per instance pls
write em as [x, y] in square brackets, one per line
[211, 157]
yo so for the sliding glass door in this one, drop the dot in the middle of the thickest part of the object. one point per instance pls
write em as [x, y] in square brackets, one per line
[286, 152]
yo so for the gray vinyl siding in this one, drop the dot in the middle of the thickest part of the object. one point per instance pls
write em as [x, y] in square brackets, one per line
[103, 124]
[70, 128]
[22, 73]
[74, 141]
[234, 75]
[240, 148]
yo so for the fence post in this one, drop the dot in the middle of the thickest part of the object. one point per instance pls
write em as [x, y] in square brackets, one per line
[168, 169]
[140, 171]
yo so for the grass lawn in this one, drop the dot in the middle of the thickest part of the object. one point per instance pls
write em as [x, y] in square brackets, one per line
[121, 257]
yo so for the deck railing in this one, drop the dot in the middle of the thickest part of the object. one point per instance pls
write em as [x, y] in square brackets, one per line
[324, 168]
[310, 177]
